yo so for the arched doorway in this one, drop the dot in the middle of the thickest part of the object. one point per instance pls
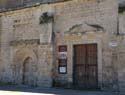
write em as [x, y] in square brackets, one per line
[29, 72]
[25, 69]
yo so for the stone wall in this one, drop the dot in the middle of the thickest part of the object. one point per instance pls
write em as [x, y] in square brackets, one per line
[21, 39]
[101, 13]
[23, 32]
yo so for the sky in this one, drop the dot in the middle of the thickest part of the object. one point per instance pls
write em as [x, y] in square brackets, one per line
[122, 2]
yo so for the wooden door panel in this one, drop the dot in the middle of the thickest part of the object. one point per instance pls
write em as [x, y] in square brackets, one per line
[80, 56]
[85, 66]
[91, 54]
[80, 79]
[80, 59]
[91, 77]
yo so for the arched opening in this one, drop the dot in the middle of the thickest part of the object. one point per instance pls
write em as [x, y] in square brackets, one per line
[26, 67]
[29, 72]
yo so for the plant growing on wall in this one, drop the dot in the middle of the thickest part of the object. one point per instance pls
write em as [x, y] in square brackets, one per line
[121, 9]
[46, 17]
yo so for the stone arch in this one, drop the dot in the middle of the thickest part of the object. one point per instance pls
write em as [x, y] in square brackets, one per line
[85, 28]
[22, 57]
[21, 54]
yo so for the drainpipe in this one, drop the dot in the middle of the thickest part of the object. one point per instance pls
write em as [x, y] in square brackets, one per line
[118, 33]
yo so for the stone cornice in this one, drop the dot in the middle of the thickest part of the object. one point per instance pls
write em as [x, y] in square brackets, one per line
[18, 42]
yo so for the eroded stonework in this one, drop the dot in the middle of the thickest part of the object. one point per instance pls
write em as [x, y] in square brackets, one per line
[31, 37]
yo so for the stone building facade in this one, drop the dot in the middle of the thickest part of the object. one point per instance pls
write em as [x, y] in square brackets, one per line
[74, 44]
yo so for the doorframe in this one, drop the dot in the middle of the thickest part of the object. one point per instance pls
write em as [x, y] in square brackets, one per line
[99, 60]
[75, 60]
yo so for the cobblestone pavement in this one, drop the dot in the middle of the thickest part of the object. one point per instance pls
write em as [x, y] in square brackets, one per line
[16, 90]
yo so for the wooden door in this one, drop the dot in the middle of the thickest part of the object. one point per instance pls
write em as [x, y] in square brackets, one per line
[85, 66]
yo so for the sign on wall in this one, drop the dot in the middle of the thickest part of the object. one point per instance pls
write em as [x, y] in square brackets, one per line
[62, 70]
[62, 59]
[113, 44]
[62, 55]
